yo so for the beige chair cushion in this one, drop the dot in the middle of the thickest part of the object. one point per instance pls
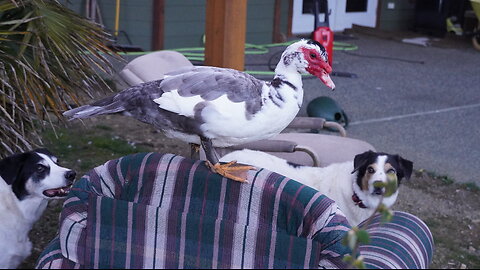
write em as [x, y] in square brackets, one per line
[152, 66]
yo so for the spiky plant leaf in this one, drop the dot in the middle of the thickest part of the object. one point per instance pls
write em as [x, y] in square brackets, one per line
[50, 57]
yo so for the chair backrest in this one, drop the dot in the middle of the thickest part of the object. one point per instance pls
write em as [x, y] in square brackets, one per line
[152, 66]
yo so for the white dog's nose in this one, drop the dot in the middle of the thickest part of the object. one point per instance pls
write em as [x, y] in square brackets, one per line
[377, 190]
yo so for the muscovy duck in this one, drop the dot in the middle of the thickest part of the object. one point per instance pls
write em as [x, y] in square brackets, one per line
[220, 107]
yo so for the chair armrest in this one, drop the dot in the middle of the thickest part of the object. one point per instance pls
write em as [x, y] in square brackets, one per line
[307, 122]
[268, 146]
[279, 146]
[337, 126]
[316, 123]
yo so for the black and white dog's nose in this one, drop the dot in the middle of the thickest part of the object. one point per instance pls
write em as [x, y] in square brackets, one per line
[378, 191]
[70, 176]
[378, 188]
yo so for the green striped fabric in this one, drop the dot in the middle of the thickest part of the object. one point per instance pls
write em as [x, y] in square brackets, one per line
[154, 210]
[164, 211]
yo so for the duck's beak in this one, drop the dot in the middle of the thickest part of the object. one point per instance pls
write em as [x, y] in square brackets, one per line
[322, 71]
[325, 78]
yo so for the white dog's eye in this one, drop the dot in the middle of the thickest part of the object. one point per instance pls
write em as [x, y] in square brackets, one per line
[41, 168]
[391, 171]
[370, 170]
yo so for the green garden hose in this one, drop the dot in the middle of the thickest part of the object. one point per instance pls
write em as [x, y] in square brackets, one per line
[198, 53]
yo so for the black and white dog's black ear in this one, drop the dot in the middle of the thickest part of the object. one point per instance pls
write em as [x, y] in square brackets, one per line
[10, 167]
[361, 160]
[43, 151]
[405, 168]
[47, 153]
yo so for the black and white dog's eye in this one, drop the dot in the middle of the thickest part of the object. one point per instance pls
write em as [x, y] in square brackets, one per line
[370, 170]
[41, 168]
[391, 171]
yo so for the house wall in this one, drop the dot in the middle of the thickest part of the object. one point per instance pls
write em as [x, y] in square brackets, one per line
[259, 21]
[184, 21]
[339, 18]
[399, 18]
[285, 20]
[135, 26]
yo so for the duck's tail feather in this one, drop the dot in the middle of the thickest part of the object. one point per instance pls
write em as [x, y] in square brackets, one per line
[104, 106]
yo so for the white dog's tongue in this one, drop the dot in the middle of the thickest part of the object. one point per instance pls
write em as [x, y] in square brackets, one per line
[57, 192]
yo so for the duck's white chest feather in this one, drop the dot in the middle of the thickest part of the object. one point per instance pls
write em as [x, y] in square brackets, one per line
[229, 123]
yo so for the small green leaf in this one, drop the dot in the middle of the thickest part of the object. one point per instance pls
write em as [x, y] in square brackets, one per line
[387, 216]
[379, 184]
[348, 259]
[345, 240]
[391, 185]
[382, 208]
[358, 263]
[363, 237]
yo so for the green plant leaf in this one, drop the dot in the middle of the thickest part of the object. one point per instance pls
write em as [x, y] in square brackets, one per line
[358, 263]
[387, 215]
[50, 57]
[348, 259]
[379, 184]
[363, 237]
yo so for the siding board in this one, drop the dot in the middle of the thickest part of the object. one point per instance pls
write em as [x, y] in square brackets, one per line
[184, 21]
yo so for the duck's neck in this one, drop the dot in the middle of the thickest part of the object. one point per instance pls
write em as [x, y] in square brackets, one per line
[288, 73]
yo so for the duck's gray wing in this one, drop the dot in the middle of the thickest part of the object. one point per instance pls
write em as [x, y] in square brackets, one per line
[208, 83]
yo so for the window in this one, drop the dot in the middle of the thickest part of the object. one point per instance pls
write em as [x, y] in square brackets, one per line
[357, 5]
[307, 7]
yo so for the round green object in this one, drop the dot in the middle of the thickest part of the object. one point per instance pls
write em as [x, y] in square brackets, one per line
[327, 108]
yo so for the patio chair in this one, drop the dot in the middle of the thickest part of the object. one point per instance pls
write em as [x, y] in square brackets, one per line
[152, 66]
[153, 210]
[298, 147]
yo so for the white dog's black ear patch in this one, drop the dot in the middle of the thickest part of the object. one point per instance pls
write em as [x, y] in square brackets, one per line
[404, 167]
[363, 159]
[11, 166]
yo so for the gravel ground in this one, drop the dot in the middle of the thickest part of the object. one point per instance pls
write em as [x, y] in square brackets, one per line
[449, 209]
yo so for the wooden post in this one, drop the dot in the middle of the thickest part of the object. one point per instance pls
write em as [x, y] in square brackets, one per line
[157, 27]
[290, 18]
[276, 33]
[225, 33]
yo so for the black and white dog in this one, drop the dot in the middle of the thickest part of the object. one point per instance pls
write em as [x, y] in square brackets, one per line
[350, 184]
[27, 182]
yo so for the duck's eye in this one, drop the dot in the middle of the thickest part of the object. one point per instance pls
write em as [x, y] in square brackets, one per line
[391, 171]
[370, 170]
[41, 168]
[313, 55]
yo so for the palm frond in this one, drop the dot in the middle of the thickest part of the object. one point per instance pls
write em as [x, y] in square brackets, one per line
[50, 57]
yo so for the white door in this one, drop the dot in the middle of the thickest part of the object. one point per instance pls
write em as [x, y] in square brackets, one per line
[344, 13]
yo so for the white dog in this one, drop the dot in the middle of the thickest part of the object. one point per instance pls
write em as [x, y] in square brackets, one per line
[349, 184]
[27, 182]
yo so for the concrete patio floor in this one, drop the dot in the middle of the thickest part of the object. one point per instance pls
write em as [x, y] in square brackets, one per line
[427, 112]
